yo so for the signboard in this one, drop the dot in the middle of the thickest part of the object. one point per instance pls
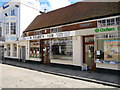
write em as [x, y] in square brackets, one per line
[51, 35]
[104, 29]
[88, 25]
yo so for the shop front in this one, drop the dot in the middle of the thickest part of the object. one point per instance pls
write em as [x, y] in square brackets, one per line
[51, 48]
[96, 47]
[108, 50]
[101, 47]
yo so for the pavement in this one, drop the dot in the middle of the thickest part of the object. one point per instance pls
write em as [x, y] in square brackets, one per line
[16, 77]
[106, 78]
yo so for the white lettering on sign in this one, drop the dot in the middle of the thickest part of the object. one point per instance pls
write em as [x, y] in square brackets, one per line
[51, 35]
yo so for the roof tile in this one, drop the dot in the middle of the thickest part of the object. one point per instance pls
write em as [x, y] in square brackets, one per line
[77, 12]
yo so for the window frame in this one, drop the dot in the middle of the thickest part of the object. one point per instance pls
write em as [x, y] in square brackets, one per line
[108, 22]
[13, 27]
[13, 12]
[7, 28]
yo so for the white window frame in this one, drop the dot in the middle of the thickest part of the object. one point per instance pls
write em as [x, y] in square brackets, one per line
[13, 12]
[13, 27]
[106, 23]
[7, 28]
[55, 28]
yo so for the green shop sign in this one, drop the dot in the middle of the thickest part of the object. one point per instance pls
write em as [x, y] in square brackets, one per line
[104, 29]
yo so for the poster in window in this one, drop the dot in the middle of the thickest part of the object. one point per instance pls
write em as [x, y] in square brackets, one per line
[112, 53]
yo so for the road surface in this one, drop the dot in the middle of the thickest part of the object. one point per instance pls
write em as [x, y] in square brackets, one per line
[16, 77]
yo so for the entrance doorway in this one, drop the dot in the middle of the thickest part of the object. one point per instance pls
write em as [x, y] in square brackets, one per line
[88, 52]
[23, 54]
[45, 50]
[1, 53]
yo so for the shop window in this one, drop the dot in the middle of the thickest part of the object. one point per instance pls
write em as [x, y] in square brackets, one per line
[62, 49]
[108, 49]
[89, 40]
[13, 28]
[35, 49]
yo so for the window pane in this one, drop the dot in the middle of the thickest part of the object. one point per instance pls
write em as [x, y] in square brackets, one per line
[13, 28]
[118, 21]
[112, 22]
[108, 22]
[35, 51]
[108, 49]
[62, 49]
[38, 32]
[13, 12]
[7, 28]
[103, 23]
[99, 23]
[53, 30]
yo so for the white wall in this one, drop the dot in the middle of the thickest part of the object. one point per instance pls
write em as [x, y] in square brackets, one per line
[27, 15]
[77, 50]
[23, 43]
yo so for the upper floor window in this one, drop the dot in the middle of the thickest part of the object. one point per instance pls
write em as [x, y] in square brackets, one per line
[13, 28]
[38, 32]
[109, 22]
[7, 28]
[54, 30]
[13, 12]
[118, 21]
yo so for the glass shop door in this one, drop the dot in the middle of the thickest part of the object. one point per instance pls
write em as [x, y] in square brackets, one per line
[45, 51]
[89, 52]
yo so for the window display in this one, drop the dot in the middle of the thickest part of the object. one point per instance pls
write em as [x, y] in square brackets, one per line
[62, 48]
[108, 49]
[35, 49]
